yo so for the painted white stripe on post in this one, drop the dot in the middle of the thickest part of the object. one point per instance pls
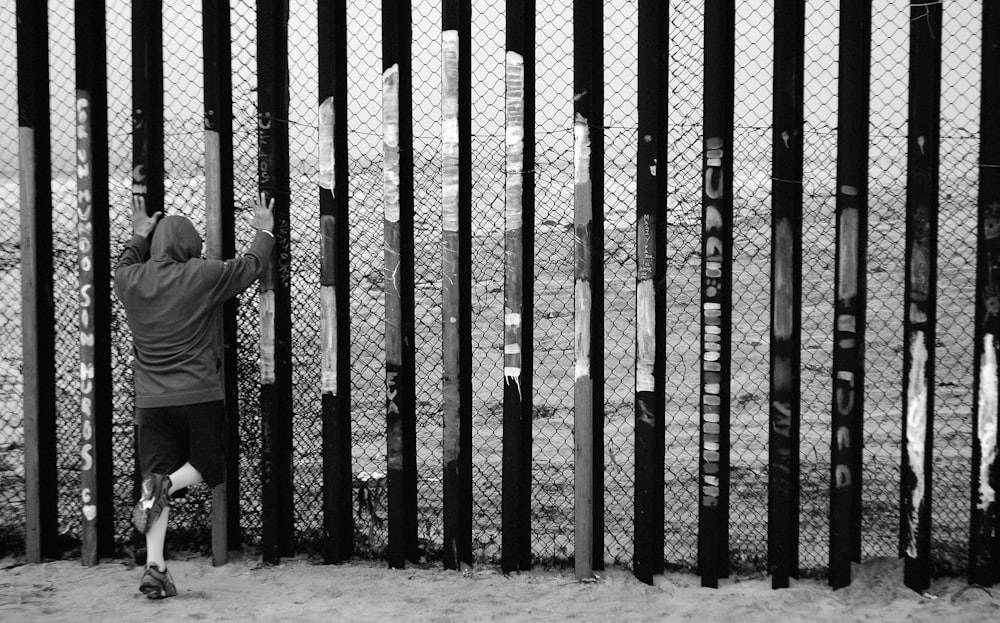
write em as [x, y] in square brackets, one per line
[267, 337]
[390, 143]
[449, 130]
[328, 356]
[986, 431]
[645, 309]
[326, 151]
[583, 305]
[916, 432]
[514, 140]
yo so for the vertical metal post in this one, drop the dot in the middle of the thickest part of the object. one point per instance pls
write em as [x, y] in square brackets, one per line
[984, 541]
[651, 201]
[519, 285]
[716, 292]
[37, 307]
[147, 102]
[456, 282]
[850, 301]
[920, 314]
[588, 89]
[397, 129]
[147, 130]
[97, 493]
[220, 244]
[786, 292]
[338, 519]
[275, 284]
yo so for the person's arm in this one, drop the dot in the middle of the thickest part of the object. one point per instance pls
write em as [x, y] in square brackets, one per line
[137, 249]
[239, 273]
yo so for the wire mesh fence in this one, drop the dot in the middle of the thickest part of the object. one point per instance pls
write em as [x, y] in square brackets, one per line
[552, 469]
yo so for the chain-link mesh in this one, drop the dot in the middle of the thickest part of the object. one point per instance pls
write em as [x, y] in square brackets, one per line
[552, 468]
[12, 511]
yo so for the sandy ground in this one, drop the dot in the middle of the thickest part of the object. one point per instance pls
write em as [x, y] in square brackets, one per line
[299, 590]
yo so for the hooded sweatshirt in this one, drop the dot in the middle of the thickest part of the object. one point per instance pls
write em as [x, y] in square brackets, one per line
[172, 304]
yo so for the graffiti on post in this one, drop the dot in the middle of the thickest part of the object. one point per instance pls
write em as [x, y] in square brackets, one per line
[712, 319]
[85, 236]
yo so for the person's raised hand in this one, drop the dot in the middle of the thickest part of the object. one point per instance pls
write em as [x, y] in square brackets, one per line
[143, 224]
[263, 214]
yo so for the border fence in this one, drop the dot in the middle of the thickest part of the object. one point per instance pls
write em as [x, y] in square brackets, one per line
[700, 285]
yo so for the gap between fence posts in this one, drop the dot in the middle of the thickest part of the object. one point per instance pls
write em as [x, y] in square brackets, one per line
[147, 142]
[651, 203]
[94, 261]
[786, 293]
[38, 308]
[588, 220]
[716, 292]
[220, 245]
[334, 281]
[519, 282]
[984, 540]
[276, 407]
[850, 299]
[401, 427]
[920, 314]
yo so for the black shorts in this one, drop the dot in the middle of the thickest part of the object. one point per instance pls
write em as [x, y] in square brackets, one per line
[168, 437]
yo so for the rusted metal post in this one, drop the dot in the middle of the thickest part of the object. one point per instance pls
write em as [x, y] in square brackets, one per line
[338, 518]
[850, 301]
[37, 304]
[588, 128]
[786, 292]
[920, 313]
[984, 541]
[716, 292]
[275, 284]
[96, 408]
[519, 285]
[397, 129]
[456, 282]
[220, 245]
[651, 228]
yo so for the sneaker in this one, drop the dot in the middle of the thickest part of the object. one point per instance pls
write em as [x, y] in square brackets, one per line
[157, 584]
[155, 497]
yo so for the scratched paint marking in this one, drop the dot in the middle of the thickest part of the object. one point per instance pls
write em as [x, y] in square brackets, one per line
[986, 431]
[916, 432]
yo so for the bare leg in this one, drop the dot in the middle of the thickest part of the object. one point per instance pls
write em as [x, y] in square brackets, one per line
[185, 476]
[156, 536]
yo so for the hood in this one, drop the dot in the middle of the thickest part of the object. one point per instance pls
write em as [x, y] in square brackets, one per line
[175, 239]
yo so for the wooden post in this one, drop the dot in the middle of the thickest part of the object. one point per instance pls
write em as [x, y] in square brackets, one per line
[338, 518]
[275, 284]
[650, 365]
[37, 306]
[984, 541]
[519, 285]
[588, 89]
[96, 408]
[716, 292]
[919, 326]
[397, 128]
[786, 293]
[850, 301]
[220, 244]
[456, 282]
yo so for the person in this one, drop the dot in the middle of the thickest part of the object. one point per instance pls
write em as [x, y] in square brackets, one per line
[172, 299]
